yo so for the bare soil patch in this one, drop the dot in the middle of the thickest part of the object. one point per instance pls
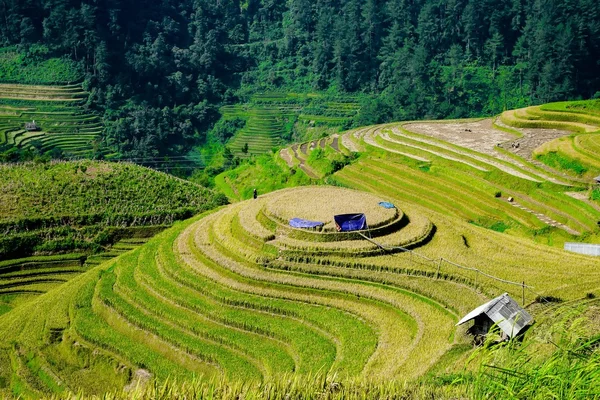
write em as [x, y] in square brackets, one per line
[304, 148]
[302, 165]
[479, 136]
[335, 143]
[531, 140]
[482, 137]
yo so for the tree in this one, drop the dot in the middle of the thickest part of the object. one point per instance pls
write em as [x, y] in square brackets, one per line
[493, 51]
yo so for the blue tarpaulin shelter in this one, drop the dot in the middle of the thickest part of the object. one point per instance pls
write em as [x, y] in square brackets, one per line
[304, 223]
[350, 222]
[386, 204]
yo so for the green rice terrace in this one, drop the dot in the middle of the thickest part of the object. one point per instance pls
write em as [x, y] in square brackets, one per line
[271, 118]
[49, 119]
[546, 165]
[236, 294]
[61, 219]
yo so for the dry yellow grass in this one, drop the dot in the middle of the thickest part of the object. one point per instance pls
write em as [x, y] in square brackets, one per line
[321, 203]
[247, 217]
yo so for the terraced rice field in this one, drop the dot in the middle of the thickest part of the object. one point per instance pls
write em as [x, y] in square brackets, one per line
[476, 164]
[22, 280]
[270, 116]
[263, 130]
[576, 126]
[80, 207]
[59, 113]
[237, 293]
[297, 154]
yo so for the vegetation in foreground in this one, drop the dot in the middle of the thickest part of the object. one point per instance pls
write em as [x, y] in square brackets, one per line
[236, 293]
[558, 359]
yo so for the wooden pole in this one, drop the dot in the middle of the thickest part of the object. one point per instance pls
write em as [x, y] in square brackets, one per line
[437, 275]
[523, 294]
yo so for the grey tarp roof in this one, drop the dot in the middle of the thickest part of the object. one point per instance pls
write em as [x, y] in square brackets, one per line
[505, 312]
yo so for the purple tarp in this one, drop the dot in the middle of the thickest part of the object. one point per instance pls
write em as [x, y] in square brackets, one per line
[350, 222]
[304, 223]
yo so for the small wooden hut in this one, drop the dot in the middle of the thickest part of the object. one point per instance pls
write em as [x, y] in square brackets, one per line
[31, 126]
[503, 312]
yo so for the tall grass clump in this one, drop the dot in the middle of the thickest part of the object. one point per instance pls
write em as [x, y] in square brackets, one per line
[563, 365]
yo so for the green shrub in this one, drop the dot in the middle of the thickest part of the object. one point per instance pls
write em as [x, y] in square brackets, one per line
[514, 371]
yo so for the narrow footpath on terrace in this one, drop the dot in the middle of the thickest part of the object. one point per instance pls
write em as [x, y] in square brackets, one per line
[546, 219]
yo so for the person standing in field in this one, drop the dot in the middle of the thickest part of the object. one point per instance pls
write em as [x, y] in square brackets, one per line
[255, 194]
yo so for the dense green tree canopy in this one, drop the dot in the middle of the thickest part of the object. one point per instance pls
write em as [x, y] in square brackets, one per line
[160, 69]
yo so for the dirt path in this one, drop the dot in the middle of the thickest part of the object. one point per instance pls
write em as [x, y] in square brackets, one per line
[547, 220]
[301, 164]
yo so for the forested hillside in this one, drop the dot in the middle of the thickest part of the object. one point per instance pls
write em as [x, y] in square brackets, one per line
[159, 71]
